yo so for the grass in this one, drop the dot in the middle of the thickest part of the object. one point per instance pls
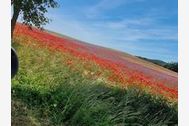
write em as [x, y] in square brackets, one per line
[49, 91]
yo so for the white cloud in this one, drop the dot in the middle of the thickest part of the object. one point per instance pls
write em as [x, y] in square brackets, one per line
[119, 34]
[106, 5]
[114, 31]
[137, 29]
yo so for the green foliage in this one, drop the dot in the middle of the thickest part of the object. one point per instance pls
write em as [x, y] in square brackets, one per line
[48, 92]
[33, 11]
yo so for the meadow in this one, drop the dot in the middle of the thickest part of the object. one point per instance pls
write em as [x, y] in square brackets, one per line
[66, 84]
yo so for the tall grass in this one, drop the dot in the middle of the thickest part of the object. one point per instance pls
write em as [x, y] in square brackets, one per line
[49, 92]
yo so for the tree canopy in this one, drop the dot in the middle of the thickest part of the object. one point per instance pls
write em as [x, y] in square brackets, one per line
[32, 12]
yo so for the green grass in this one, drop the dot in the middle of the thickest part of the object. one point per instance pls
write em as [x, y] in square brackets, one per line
[48, 92]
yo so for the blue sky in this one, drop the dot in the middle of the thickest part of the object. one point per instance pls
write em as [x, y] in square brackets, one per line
[146, 28]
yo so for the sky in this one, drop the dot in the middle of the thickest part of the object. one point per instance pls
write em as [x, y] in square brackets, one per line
[145, 28]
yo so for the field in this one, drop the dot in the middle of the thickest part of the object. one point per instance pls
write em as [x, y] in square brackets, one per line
[63, 81]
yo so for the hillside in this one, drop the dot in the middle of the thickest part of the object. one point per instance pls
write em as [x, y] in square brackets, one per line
[64, 81]
[158, 62]
[171, 66]
[151, 63]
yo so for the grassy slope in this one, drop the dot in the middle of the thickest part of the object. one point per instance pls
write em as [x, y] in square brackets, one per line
[54, 88]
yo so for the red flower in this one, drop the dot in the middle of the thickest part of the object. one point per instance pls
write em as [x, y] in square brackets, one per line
[122, 70]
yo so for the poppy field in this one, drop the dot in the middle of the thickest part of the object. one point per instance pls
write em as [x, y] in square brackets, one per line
[64, 81]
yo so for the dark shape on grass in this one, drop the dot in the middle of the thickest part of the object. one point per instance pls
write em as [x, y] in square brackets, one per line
[14, 63]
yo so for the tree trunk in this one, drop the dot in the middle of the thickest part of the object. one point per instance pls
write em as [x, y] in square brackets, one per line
[16, 12]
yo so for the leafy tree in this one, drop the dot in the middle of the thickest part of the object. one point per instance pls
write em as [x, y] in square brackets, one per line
[32, 12]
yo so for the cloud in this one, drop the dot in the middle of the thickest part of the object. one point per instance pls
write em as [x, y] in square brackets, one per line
[74, 28]
[106, 5]
[137, 29]
[130, 34]
[128, 30]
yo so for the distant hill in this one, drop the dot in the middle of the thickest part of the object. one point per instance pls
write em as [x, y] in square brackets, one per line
[171, 66]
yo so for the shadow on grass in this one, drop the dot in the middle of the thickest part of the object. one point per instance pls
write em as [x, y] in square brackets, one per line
[95, 105]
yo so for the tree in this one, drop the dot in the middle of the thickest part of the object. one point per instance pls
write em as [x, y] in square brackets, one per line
[32, 12]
